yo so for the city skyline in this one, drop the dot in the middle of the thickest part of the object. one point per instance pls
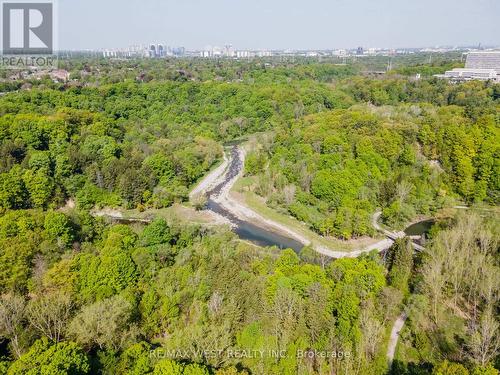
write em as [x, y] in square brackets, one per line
[316, 25]
[349, 50]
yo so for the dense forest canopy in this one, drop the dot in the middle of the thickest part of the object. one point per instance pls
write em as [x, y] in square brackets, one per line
[81, 294]
[411, 159]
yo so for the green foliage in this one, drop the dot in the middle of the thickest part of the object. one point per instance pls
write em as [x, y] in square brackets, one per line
[13, 193]
[46, 358]
[39, 187]
[140, 133]
[401, 265]
[20, 239]
[170, 367]
[397, 214]
[364, 274]
[58, 228]
[254, 163]
[334, 187]
[446, 320]
[104, 324]
[447, 368]
[100, 148]
[102, 276]
[15, 263]
[161, 165]
[485, 370]
[113, 270]
[135, 360]
[406, 159]
[156, 233]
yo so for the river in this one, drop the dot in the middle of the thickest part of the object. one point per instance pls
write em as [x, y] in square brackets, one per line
[244, 229]
[259, 234]
[420, 228]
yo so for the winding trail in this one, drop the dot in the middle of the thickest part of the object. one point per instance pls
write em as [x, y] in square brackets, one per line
[217, 186]
[395, 333]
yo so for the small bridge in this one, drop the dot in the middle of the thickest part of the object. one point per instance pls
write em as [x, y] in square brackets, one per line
[393, 235]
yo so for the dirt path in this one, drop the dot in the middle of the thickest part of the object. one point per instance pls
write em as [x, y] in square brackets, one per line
[393, 341]
[218, 185]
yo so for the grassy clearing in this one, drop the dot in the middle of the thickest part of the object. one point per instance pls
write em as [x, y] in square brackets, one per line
[174, 213]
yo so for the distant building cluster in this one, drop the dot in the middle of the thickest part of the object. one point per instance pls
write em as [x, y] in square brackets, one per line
[162, 50]
[484, 66]
[152, 50]
[230, 52]
[476, 68]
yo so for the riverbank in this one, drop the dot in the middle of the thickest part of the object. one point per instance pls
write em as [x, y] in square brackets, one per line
[222, 200]
[214, 177]
[250, 217]
[257, 204]
[175, 213]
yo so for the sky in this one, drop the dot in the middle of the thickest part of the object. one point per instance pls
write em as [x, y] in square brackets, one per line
[278, 24]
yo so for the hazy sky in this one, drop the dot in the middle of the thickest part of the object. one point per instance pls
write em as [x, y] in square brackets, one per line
[314, 24]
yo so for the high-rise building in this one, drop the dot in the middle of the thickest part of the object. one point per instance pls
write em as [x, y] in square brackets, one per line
[160, 51]
[152, 50]
[228, 51]
[178, 51]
